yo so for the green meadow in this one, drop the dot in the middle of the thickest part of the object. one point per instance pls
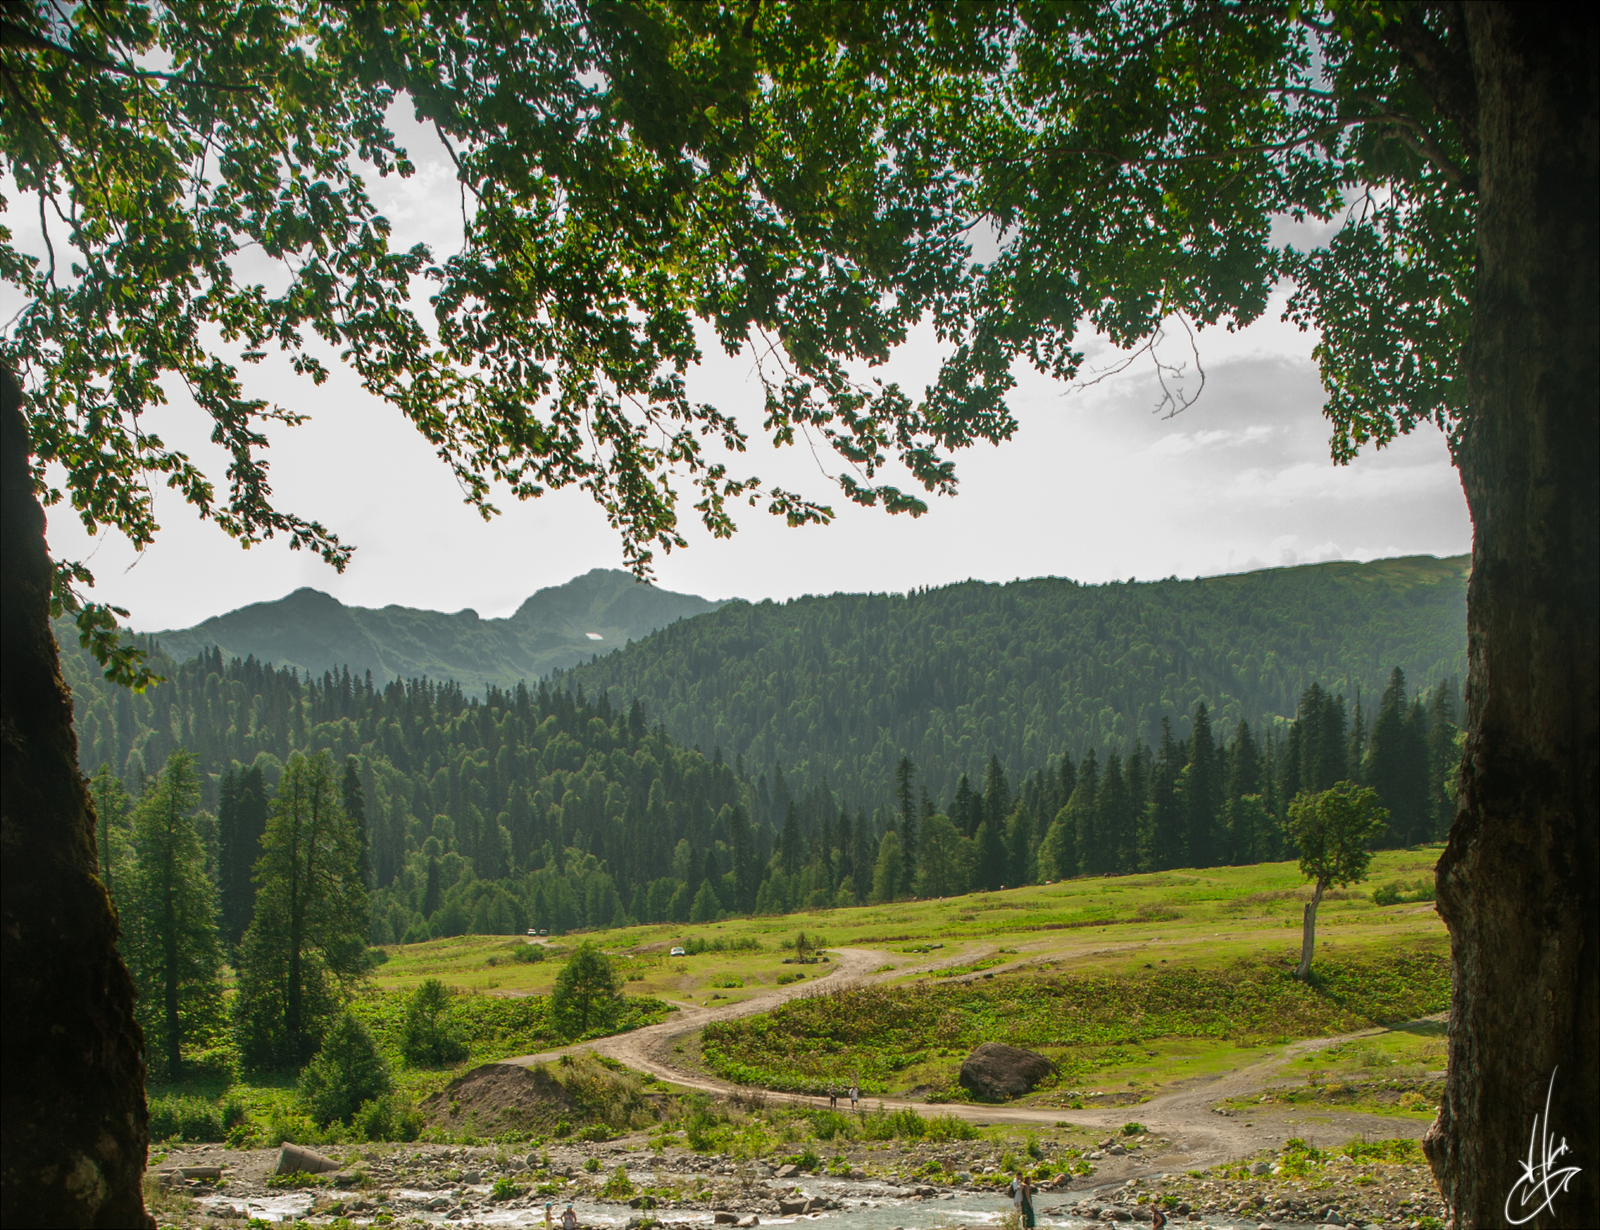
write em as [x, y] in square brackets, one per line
[1114, 924]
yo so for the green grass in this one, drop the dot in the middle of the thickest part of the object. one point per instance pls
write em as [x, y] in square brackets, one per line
[262, 1109]
[1205, 917]
[1125, 927]
[1096, 1023]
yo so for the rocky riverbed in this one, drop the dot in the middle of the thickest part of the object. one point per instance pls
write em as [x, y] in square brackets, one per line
[628, 1184]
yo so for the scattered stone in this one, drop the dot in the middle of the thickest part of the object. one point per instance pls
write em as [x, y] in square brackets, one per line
[1260, 1168]
[996, 1071]
[752, 1220]
[788, 1170]
[720, 1218]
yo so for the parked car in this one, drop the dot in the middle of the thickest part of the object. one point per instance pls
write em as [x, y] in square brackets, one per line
[678, 952]
[542, 931]
[531, 931]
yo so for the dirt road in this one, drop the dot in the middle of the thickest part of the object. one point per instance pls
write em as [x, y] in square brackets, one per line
[1185, 1115]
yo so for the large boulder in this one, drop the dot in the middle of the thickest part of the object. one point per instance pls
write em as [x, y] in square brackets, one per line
[995, 1071]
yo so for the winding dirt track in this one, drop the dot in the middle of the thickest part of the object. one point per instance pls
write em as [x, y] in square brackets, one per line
[1185, 1115]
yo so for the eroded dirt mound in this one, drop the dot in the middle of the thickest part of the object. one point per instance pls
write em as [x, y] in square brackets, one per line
[500, 1097]
[996, 1071]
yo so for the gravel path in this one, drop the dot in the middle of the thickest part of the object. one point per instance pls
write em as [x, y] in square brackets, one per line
[1185, 1115]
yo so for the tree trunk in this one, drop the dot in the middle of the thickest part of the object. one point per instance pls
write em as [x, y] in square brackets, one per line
[1308, 932]
[73, 1112]
[1518, 881]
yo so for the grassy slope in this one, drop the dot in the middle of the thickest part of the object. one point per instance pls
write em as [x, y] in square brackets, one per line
[1200, 923]
[1113, 925]
[1206, 931]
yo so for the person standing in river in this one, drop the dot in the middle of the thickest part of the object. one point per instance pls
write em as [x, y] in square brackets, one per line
[1025, 1203]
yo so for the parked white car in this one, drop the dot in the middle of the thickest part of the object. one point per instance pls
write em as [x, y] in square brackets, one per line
[678, 952]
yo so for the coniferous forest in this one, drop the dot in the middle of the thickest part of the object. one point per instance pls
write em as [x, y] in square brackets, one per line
[552, 806]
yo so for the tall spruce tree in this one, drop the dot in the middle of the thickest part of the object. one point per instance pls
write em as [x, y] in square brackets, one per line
[1444, 758]
[169, 917]
[111, 809]
[1164, 845]
[1115, 818]
[1083, 814]
[355, 809]
[1203, 791]
[1397, 765]
[241, 820]
[904, 775]
[310, 923]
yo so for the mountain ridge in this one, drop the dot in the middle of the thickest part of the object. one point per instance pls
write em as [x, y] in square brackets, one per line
[555, 627]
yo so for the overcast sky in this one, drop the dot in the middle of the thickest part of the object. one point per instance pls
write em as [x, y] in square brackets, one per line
[1094, 486]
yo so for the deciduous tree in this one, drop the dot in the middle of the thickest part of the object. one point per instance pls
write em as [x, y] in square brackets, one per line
[1333, 830]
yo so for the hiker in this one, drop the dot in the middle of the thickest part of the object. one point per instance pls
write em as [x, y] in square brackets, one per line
[569, 1219]
[1025, 1203]
[833, 1097]
[855, 1095]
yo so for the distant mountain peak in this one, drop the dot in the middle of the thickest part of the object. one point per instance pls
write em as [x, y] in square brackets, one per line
[556, 627]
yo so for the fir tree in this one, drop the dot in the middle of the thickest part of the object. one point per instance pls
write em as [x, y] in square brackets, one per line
[1203, 786]
[996, 795]
[1115, 817]
[355, 808]
[111, 824]
[1083, 813]
[310, 923]
[169, 917]
[889, 871]
[904, 772]
[1444, 758]
[1164, 846]
[1397, 764]
[241, 819]
[989, 871]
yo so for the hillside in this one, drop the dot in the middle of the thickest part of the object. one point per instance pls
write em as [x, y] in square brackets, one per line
[557, 627]
[840, 687]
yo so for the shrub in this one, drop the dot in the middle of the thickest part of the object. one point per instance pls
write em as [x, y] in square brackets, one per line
[618, 1186]
[175, 1117]
[505, 1189]
[1133, 1129]
[827, 1124]
[948, 1127]
[382, 1119]
[428, 1038]
[592, 1165]
[346, 1072]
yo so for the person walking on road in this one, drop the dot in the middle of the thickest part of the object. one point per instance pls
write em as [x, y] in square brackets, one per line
[855, 1095]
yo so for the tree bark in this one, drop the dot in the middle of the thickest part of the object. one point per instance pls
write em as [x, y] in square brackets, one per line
[1308, 933]
[73, 1112]
[1518, 881]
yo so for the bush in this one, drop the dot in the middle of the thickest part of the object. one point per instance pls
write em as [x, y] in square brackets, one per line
[346, 1072]
[949, 1127]
[175, 1117]
[383, 1119]
[618, 1186]
[827, 1124]
[1133, 1129]
[428, 1038]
